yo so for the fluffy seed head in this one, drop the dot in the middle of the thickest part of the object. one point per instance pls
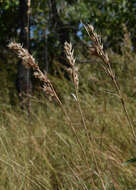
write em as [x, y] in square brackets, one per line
[72, 70]
[29, 61]
[69, 53]
[22, 53]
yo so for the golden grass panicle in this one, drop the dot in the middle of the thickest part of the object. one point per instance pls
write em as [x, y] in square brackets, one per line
[29, 61]
[22, 53]
[97, 46]
[73, 70]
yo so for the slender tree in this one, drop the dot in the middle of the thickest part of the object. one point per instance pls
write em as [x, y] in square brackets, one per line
[60, 28]
[24, 85]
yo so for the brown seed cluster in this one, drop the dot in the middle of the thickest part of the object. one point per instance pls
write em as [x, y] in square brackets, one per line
[73, 70]
[29, 61]
[97, 46]
[22, 53]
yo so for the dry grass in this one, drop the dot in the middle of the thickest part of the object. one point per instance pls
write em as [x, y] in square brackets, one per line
[51, 157]
[77, 145]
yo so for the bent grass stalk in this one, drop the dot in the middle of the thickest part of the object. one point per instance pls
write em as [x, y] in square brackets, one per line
[97, 50]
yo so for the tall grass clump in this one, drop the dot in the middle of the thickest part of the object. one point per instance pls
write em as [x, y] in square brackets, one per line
[79, 143]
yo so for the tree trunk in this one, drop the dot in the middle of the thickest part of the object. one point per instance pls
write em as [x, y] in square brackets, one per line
[23, 83]
[61, 30]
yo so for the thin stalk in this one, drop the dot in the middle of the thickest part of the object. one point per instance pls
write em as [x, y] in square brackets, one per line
[74, 131]
[122, 100]
[97, 50]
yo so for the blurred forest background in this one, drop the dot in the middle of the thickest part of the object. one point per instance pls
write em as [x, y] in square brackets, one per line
[41, 151]
[43, 27]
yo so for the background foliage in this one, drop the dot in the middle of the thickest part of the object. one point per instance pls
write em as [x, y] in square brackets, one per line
[108, 17]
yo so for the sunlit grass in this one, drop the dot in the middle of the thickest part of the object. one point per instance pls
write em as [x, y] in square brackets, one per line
[41, 152]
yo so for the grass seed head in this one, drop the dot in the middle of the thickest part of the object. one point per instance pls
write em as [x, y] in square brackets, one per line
[69, 53]
[28, 61]
[73, 70]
